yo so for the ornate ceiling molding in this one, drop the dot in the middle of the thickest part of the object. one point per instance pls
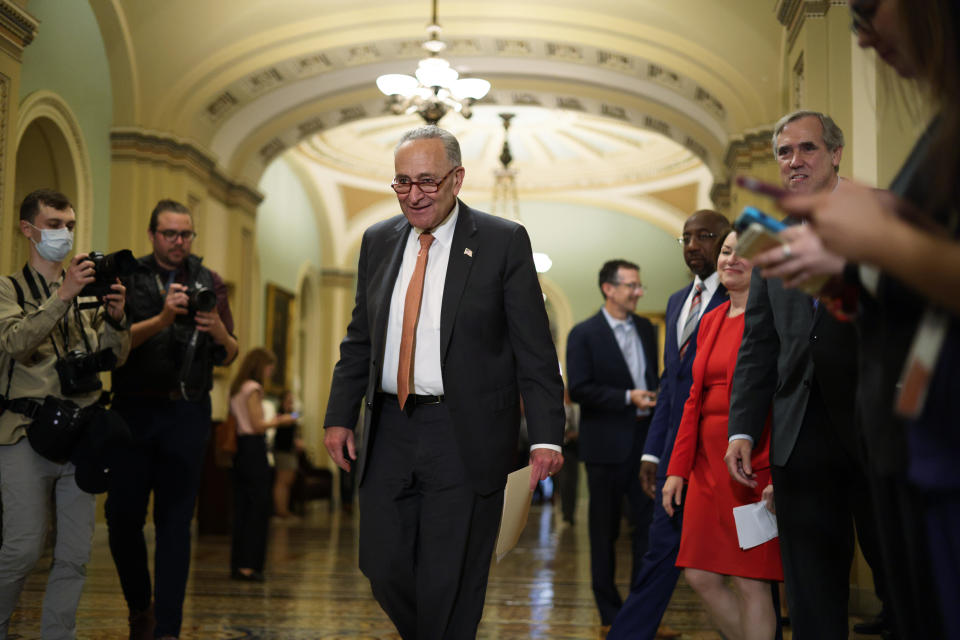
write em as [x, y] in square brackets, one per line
[792, 14]
[17, 28]
[138, 144]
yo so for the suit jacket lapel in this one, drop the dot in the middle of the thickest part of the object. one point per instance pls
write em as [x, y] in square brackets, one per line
[385, 291]
[458, 268]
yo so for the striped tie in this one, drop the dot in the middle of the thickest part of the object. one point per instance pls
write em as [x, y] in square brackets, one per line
[693, 317]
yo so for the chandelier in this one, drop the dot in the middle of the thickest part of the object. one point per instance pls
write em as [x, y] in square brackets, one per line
[506, 203]
[437, 87]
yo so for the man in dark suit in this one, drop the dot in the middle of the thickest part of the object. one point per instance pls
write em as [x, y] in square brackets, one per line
[612, 369]
[654, 583]
[448, 331]
[801, 359]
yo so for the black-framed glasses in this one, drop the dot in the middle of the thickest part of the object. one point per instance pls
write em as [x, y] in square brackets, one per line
[861, 15]
[170, 235]
[403, 185]
[702, 237]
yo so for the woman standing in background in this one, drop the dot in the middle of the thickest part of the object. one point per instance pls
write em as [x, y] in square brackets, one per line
[251, 471]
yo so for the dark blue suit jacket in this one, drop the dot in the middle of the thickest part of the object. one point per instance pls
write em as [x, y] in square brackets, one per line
[676, 380]
[599, 377]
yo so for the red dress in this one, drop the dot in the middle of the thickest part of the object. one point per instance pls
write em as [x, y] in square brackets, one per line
[708, 540]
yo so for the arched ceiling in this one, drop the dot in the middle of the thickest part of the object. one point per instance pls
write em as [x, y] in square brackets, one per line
[246, 79]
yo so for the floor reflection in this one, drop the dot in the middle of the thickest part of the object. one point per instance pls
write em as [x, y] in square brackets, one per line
[314, 590]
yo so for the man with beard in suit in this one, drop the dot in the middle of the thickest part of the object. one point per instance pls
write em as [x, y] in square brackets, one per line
[448, 331]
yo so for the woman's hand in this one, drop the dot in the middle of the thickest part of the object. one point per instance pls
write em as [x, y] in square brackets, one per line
[672, 494]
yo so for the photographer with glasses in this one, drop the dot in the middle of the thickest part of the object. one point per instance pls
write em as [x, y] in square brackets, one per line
[182, 328]
[51, 351]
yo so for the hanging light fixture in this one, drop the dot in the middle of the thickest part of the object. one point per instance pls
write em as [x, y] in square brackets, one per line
[437, 87]
[506, 203]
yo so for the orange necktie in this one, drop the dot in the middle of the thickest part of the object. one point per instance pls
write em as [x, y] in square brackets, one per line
[411, 313]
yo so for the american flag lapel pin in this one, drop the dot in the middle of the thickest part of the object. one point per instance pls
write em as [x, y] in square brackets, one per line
[468, 253]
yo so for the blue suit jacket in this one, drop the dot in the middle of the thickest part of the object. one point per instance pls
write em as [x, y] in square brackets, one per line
[599, 377]
[676, 380]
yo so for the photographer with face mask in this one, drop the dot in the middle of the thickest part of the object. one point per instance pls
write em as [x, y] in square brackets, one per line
[51, 352]
[182, 328]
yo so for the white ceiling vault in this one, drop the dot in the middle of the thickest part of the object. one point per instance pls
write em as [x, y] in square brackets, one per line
[606, 93]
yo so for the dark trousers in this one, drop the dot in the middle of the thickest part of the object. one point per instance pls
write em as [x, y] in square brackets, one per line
[166, 457]
[653, 585]
[251, 503]
[908, 556]
[820, 493]
[568, 480]
[609, 485]
[426, 539]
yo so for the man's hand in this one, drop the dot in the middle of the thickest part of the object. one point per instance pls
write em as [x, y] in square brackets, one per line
[114, 302]
[643, 399]
[767, 496]
[175, 303]
[544, 463]
[210, 322]
[802, 258]
[738, 462]
[334, 440]
[648, 478]
[672, 493]
[79, 274]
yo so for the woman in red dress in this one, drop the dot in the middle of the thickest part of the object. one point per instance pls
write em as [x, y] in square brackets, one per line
[709, 549]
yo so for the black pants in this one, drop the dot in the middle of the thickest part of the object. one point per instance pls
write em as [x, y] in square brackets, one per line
[821, 493]
[426, 538]
[609, 485]
[165, 458]
[251, 504]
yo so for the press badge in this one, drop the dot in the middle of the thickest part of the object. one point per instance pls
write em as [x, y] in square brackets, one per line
[921, 363]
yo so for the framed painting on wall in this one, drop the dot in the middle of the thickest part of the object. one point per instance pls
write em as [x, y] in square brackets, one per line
[279, 310]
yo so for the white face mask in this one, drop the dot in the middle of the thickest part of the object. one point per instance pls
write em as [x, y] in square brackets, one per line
[54, 244]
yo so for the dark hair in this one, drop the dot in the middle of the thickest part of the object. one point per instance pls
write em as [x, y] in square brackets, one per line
[608, 272]
[30, 206]
[167, 206]
[932, 31]
[721, 239]
[252, 368]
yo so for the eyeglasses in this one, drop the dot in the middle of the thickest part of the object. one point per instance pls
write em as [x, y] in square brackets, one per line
[862, 17]
[426, 186]
[702, 237]
[171, 236]
[636, 286]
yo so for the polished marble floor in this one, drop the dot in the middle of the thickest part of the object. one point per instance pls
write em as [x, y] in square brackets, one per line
[314, 590]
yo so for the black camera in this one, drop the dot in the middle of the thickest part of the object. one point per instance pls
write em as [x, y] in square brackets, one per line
[106, 269]
[78, 371]
[201, 299]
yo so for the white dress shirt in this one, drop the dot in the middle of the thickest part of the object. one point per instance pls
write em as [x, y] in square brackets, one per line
[427, 376]
[709, 288]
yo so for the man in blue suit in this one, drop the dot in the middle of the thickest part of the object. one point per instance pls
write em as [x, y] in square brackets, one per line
[653, 585]
[612, 364]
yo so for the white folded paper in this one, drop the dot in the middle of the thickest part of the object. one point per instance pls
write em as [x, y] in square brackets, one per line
[755, 524]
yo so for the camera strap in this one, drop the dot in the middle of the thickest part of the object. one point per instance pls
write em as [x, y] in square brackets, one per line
[65, 323]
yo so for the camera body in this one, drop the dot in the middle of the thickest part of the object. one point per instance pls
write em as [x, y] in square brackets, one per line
[78, 371]
[107, 268]
[199, 298]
